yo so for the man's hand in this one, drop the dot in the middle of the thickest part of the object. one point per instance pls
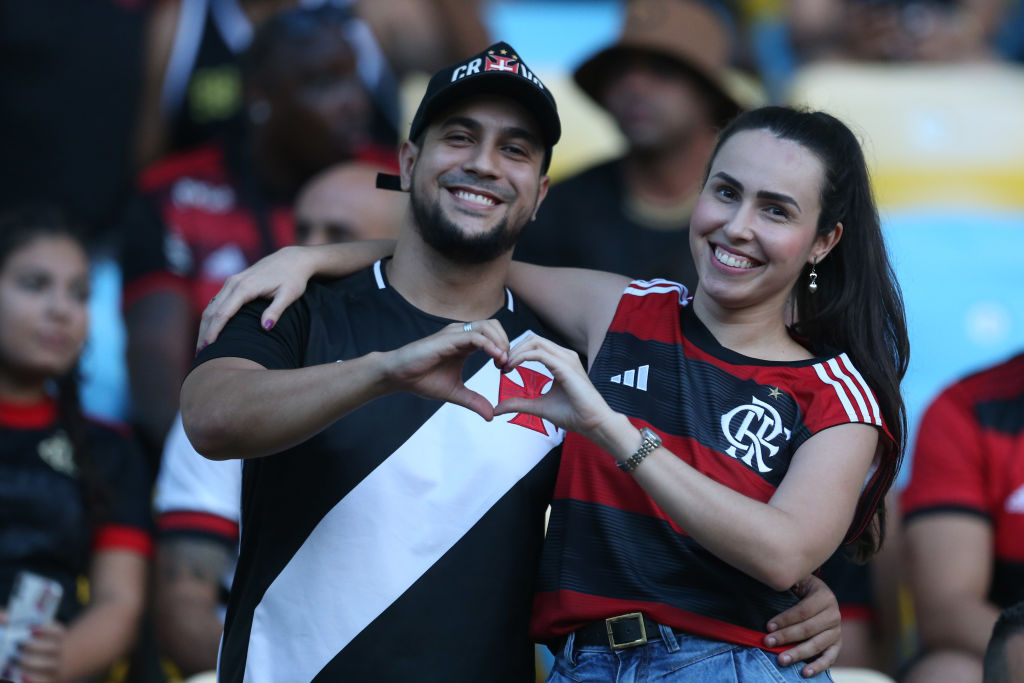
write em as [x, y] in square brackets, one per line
[432, 367]
[813, 623]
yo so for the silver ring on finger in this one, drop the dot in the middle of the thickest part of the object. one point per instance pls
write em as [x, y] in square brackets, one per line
[467, 327]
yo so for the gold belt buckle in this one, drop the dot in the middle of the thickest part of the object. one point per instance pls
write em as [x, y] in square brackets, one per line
[642, 640]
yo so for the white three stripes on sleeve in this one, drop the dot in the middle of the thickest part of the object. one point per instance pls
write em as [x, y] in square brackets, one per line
[850, 388]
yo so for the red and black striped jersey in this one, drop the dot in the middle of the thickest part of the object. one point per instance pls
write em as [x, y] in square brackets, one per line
[969, 458]
[610, 549]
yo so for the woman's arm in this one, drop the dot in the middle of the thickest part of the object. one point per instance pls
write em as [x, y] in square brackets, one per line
[576, 303]
[102, 633]
[779, 542]
[282, 277]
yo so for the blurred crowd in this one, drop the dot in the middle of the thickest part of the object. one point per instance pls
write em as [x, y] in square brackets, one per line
[154, 148]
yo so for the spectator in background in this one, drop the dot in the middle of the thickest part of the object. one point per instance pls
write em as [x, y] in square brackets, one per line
[964, 520]
[343, 204]
[1004, 655]
[192, 90]
[666, 83]
[205, 214]
[422, 36]
[74, 496]
[197, 500]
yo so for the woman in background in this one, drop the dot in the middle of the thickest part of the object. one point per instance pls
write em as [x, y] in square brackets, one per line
[74, 502]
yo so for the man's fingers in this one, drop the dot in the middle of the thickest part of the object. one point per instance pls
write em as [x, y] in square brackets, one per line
[468, 398]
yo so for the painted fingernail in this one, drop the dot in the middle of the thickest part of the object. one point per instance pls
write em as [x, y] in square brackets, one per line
[267, 325]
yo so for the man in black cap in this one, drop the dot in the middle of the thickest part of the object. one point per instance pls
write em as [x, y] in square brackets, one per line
[387, 534]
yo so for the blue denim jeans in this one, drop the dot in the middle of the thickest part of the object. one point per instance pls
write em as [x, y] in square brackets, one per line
[673, 657]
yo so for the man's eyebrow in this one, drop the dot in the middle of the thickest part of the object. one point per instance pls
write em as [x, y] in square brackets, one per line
[763, 194]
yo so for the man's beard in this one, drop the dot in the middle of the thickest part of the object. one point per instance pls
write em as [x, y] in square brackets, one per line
[444, 236]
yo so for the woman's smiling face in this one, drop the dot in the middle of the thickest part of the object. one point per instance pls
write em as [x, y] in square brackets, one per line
[755, 224]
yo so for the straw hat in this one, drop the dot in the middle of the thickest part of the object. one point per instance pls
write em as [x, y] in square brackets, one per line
[689, 33]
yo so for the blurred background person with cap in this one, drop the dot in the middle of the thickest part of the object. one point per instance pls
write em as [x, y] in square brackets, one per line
[668, 85]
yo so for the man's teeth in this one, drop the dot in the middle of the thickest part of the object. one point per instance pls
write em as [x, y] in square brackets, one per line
[473, 197]
[733, 260]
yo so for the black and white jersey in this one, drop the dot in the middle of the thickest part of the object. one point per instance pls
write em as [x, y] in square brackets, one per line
[401, 542]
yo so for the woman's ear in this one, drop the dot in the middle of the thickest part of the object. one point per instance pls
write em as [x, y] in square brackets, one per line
[825, 243]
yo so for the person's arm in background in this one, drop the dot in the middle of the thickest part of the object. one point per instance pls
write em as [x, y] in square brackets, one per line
[197, 505]
[949, 542]
[150, 139]
[159, 320]
[159, 348]
[102, 633]
[950, 564]
[186, 600]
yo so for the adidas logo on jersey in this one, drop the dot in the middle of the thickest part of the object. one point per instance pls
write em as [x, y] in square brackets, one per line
[1015, 503]
[633, 378]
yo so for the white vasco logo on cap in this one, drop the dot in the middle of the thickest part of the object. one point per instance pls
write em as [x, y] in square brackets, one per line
[751, 441]
[508, 63]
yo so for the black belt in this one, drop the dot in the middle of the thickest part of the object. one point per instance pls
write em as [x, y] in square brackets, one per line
[625, 630]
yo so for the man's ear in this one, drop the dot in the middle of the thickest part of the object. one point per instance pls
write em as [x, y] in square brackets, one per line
[542, 191]
[406, 162]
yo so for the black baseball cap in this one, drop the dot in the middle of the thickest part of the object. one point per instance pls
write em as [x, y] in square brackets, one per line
[498, 70]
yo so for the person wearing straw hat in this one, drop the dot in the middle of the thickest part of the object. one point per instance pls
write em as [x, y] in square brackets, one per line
[667, 84]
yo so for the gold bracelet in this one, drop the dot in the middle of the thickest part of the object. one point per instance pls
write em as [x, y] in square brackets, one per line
[647, 446]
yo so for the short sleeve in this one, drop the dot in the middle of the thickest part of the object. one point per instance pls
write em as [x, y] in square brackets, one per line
[281, 348]
[946, 472]
[128, 522]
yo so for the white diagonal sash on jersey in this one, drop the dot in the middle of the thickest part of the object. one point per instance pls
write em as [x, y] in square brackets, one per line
[390, 529]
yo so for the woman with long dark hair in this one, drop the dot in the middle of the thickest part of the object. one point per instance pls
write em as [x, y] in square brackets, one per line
[74, 501]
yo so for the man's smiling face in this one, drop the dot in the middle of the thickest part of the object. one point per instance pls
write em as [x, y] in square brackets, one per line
[476, 178]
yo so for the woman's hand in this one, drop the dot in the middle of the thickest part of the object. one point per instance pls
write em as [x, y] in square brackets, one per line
[573, 403]
[40, 656]
[281, 276]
